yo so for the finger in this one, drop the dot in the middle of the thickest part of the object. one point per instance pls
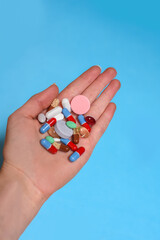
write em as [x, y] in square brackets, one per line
[100, 104]
[81, 83]
[37, 103]
[99, 84]
[102, 123]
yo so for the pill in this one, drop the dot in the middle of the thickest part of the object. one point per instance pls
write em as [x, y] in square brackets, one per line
[69, 143]
[71, 124]
[47, 145]
[50, 139]
[68, 115]
[41, 118]
[62, 130]
[47, 125]
[54, 104]
[53, 133]
[54, 112]
[83, 132]
[75, 136]
[57, 139]
[80, 104]
[90, 120]
[61, 147]
[77, 154]
[66, 104]
[59, 117]
[83, 123]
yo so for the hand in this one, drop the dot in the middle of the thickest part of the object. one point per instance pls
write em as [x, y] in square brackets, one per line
[40, 173]
[22, 148]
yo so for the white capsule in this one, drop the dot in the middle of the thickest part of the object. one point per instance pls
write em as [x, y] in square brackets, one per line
[59, 117]
[41, 118]
[53, 112]
[57, 139]
[66, 104]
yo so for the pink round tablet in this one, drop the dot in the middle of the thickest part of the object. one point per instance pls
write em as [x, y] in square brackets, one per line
[80, 104]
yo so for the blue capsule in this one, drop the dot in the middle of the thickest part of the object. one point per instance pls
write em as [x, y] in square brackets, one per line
[65, 141]
[44, 128]
[65, 112]
[45, 143]
[81, 119]
[74, 156]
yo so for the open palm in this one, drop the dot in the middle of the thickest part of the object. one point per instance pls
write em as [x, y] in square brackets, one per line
[22, 150]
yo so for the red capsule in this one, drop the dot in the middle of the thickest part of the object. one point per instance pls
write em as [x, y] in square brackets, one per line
[80, 150]
[52, 149]
[51, 121]
[90, 120]
[86, 125]
[71, 118]
[72, 146]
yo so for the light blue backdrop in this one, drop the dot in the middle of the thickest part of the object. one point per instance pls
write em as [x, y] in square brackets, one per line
[117, 194]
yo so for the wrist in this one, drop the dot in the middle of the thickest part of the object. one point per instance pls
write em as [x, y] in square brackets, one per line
[20, 201]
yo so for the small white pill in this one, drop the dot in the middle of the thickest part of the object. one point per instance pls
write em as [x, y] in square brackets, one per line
[41, 118]
[66, 104]
[57, 139]
[53, 112]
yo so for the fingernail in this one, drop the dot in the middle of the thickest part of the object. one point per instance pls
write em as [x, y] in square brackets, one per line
[99, 66]
[54, 84]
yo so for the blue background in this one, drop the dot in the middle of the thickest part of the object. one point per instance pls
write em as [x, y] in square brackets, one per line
[117, 194]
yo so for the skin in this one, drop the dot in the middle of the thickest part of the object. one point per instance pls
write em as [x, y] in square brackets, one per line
[30, 174]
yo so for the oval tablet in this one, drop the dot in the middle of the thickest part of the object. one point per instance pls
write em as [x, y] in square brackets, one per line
[54, 112]
[41, 118]
[80, 104]
[71, 124]
[62, 130]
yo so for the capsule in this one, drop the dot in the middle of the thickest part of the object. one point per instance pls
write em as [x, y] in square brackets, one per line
[83, 132]
[75, 136]
[50, 139]
[66, 104]
[54, 112]
[54, 104]
[83, 123]
[53, 133]
[90, 120]
[68, 115]
[77, 154]
[47, 125]
[61, 147]
[69, 143]
[48, 146]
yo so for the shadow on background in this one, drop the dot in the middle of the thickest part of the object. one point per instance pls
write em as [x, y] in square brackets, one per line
[1, 150]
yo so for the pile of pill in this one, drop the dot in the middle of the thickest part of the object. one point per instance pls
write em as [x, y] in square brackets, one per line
[63, 132]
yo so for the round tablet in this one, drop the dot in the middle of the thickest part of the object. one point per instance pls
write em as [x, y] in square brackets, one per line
[80, 104]
[62, 130]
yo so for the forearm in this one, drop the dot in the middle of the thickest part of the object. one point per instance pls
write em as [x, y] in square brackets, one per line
[20, 201]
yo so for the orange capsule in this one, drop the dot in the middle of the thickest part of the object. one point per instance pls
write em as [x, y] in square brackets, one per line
[83, 132]
[75, 136]
[53, 133]
[61, 147]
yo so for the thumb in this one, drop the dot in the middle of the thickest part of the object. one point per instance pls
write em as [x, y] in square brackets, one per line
[40, 101]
